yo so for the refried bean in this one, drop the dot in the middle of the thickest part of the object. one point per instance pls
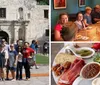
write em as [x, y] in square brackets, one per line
[91, 70]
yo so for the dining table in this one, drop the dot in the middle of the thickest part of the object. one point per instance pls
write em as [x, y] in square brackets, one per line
[91, 33]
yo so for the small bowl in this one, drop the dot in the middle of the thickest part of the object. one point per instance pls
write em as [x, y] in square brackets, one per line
[85, 67]
[96, 80]
[86, 48]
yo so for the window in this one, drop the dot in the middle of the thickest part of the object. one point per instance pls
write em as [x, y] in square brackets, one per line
[21, 13]
[2, 12]
[29, 15]
[46, 14]
[42, 2]
[47, 32]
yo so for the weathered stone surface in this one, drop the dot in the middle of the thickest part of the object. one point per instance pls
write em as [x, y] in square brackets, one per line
[32, 12]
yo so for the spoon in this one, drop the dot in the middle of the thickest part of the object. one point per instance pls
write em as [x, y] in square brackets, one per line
[73, 50]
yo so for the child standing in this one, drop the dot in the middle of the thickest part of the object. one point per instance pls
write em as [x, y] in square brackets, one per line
[19, 65]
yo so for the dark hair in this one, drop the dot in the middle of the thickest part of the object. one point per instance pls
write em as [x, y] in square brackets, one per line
[17, 41]
[78, 14]
[62, 15]
[33, 41]
[95, 8]
[26, 42]
[77, 17]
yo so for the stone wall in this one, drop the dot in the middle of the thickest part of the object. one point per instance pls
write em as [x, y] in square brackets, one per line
[31, 12]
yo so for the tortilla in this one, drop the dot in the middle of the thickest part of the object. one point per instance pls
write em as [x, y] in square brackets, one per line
[63, 57]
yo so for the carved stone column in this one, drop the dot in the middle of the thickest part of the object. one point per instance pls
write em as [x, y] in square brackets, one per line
[22, 31]
[16, 33]
[12, 31]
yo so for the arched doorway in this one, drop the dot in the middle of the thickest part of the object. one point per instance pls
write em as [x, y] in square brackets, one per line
[4, 35]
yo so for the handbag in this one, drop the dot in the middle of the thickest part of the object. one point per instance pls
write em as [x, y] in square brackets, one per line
[30, 61]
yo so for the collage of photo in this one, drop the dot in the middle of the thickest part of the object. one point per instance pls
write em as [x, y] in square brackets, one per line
[49, 42]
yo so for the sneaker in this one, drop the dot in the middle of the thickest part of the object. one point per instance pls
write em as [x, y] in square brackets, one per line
[17, 79]
[3, 79]
[7, 79]
[37, 67]
[20, 79]
[13, 80]
[27, 79]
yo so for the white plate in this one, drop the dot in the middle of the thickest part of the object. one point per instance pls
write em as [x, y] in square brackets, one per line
[81, 81]
[88, 27]
[96, 81]
[63, 50]
[55, 77]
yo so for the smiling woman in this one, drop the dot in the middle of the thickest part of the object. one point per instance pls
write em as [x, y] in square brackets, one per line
[64, 31]
[79, 21]
[63, 19]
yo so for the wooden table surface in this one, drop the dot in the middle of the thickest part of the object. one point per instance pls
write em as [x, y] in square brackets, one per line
[92, 32]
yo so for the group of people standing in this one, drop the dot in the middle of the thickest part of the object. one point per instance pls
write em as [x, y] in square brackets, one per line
[14, 57]
[91, 16]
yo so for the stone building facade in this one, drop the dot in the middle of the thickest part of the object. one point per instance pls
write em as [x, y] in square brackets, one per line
[23, 19]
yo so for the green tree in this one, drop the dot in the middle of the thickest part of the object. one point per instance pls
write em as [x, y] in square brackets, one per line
[44, 2]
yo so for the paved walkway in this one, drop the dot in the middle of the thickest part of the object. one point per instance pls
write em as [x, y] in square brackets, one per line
[38, 77]
[32, 81]
[42, 71]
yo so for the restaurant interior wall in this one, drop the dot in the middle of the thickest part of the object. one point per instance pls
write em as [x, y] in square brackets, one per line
[95, 2]
[72, 8]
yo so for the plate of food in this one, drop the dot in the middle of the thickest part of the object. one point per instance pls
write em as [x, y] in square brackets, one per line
[62, 61]
[85, 38]
[88, 28]
[80, 37]
[66, 67]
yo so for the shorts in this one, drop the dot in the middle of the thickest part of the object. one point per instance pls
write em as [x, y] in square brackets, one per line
[2, 63]
[34, 58]
[11, 68]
